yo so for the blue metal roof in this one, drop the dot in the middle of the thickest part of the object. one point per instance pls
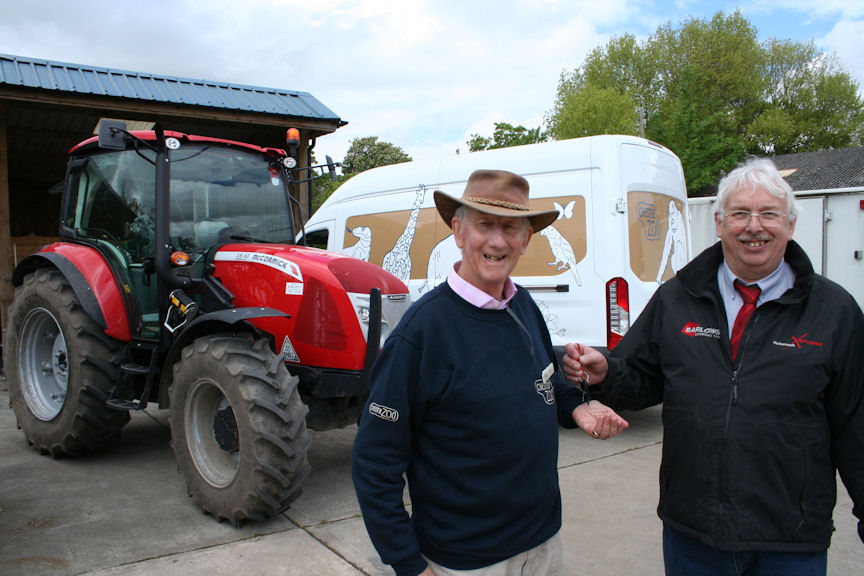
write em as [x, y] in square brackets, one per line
[80, 79]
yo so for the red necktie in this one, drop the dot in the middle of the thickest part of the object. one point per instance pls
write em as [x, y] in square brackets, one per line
[749, 294]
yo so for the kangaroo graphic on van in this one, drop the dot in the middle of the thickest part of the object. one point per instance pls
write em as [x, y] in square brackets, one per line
[441, 260]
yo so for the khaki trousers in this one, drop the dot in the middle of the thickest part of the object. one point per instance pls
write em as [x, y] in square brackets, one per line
[547, 559]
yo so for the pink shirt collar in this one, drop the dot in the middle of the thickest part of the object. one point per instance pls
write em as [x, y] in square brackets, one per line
[477, 297]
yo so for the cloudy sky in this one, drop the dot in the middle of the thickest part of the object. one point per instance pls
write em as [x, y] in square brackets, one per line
[422, 74]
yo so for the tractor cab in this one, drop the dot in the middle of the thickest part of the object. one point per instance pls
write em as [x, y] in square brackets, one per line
[220, 192]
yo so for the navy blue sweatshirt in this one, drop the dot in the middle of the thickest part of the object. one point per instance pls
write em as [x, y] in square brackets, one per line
[460, 405]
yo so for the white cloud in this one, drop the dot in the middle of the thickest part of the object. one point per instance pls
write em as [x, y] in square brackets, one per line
[422, 74]
[846, 40]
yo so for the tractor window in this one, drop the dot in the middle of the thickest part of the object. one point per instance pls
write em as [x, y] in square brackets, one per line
[114, 204]
[221, 194]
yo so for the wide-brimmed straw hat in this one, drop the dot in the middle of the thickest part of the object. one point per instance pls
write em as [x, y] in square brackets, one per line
[502, 195]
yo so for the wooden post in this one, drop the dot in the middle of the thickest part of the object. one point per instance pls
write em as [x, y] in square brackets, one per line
[6, 264]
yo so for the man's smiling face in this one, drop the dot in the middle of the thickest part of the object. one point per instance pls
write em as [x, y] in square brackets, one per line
[752, 249]
[491, 247]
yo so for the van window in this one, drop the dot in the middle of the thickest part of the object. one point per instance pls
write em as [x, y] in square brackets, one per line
[317, 238]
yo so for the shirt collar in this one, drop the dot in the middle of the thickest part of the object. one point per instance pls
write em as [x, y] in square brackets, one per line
[477, 297]
[772, 286]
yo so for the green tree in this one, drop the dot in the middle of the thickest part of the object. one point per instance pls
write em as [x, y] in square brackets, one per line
[591, 110]
[627, 67]
[709, 91]
[698, 126]
[506, 135]
[609, 94]
[366, 153]
[724, 51]
[810, 103]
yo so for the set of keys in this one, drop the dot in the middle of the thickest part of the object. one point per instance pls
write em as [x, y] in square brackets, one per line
[582, 385]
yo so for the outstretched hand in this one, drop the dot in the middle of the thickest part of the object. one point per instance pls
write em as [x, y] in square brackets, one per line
[598, 420]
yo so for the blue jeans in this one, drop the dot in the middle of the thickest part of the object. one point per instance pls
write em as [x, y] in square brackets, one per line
[686, 556]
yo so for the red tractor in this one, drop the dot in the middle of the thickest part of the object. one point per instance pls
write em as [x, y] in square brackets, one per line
[176, 281]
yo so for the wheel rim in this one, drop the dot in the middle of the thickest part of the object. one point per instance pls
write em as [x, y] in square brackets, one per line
[43, 364]
[211, 434]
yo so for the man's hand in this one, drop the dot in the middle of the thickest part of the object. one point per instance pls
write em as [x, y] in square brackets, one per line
[598, 420]
[581, 362]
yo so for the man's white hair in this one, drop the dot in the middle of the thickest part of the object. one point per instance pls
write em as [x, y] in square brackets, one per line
[756, 173]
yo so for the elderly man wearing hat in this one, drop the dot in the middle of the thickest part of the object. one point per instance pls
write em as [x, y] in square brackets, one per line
[465, 402]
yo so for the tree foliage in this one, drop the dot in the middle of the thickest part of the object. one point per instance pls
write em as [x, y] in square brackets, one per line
[367, 153]
[506, 135]
[712, 93]
[593, 110]
[699, 128]
[809, 102]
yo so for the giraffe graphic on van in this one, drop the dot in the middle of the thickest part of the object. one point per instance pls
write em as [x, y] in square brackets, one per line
[398, 260]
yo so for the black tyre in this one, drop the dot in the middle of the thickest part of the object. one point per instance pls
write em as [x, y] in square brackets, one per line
[61, 367]
[238, 428]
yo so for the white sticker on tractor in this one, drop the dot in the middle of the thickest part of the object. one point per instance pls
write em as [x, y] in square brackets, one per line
[288, 352]
[276, 262]
[294, 288]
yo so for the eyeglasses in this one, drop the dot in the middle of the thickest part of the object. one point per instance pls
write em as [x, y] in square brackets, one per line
[767, 218]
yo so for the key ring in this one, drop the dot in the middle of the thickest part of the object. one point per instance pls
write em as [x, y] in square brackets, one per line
[583, 387]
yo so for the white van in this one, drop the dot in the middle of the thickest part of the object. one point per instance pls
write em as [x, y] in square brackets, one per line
[621, 227]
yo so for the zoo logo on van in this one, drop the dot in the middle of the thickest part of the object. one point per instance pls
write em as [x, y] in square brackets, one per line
[281, 264]
[384, 412]
[692, 330]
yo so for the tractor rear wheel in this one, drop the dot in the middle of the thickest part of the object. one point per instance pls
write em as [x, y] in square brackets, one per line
[238, 428]
[61, 367]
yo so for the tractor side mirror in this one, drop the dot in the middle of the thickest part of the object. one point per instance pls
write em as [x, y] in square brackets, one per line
[112, 134]
[331, 167]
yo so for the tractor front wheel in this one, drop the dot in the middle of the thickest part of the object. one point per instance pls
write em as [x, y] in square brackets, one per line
[238, 428]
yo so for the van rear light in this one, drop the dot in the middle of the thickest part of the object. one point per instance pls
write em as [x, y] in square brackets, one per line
[617, 311]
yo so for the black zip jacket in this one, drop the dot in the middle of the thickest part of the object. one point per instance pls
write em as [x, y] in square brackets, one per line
[750, 448]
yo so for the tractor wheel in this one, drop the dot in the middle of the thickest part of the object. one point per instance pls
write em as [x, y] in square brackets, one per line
[61, 367]
[238, 428]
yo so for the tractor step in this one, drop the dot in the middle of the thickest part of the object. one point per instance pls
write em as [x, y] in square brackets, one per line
[124, 405]
[134, 369]
[118, 400]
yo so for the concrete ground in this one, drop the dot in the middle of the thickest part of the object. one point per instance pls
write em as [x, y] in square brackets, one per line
[125, 511]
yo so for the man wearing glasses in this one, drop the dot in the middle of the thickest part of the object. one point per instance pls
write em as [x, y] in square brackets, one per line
[758, 363]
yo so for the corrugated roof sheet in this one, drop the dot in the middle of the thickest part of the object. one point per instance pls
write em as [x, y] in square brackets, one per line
[823, 169]
[77, 78]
